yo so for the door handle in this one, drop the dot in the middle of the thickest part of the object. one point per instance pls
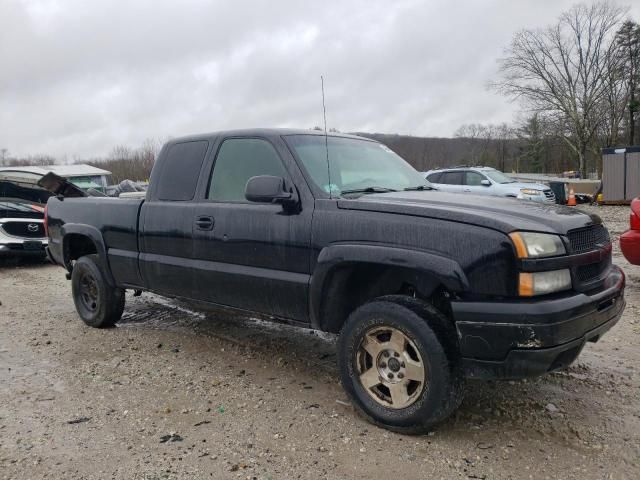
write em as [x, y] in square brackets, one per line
[205, 223]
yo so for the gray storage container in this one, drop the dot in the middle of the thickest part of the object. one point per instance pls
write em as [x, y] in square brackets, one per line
[620, 174]
[633, 175]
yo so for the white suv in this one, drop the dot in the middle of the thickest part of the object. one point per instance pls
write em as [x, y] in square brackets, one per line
[487, 181]
[21, 228]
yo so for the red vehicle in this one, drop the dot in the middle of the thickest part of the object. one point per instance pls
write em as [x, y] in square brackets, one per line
[630, 240]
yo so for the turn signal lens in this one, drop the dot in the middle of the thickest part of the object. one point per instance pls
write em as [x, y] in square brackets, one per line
[525, 289]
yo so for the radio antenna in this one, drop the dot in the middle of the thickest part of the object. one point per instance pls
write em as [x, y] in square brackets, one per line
[326, 138]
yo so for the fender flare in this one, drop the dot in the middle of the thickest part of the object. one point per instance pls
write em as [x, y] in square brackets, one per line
[446, 270]
[96, 237]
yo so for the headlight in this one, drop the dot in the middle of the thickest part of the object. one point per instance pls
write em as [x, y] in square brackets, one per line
[537, 245]
[541, 283]
[530, 191]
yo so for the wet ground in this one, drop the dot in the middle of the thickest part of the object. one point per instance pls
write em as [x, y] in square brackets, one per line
[176, 393]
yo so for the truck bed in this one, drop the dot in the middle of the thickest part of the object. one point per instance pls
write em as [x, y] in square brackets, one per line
[115, 219]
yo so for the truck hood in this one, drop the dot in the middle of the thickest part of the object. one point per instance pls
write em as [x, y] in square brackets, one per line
[19, 208]
[498, 213]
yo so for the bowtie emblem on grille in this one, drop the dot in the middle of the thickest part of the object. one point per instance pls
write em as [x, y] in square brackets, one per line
[32, 227]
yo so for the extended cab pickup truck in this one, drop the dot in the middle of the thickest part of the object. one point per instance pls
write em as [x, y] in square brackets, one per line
[339, 234]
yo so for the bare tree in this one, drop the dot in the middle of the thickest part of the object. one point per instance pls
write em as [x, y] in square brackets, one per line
[614, 103]
[126, 163]
[562, 70]
[503, 134]
[628, 43]
[473, 134]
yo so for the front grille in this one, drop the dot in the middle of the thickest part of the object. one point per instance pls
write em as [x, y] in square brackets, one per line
[24, 229]
[588, 238]
[549, 194]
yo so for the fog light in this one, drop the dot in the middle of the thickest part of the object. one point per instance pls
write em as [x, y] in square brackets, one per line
[541, 283]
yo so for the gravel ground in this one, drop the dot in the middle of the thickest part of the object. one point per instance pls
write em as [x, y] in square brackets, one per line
[173, 393]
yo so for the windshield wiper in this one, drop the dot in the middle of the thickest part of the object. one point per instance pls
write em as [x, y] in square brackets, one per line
[369, 190]
[418, 188]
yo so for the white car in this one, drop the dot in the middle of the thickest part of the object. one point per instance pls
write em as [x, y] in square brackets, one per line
[21, 228]
[487, 181]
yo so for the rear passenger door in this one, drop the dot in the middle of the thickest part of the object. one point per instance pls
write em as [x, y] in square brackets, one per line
[451, 181]
[166, 220]
[253, 256]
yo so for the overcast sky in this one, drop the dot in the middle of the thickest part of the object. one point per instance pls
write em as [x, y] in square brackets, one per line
[78, 77]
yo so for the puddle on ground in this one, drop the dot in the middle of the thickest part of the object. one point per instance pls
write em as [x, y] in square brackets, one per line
[151, 311]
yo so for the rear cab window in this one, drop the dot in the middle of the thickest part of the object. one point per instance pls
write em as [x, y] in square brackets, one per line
[181, 171]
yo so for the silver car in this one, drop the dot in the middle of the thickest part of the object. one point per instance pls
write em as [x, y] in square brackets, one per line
[487, 181]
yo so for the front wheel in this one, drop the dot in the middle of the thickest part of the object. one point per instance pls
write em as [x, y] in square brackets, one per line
[400, 364]
[98, 304]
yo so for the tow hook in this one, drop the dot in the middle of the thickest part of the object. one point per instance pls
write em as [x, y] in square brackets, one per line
[137, 293]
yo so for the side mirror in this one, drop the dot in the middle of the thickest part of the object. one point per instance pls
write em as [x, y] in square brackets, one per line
[269, 189]
[485, 183]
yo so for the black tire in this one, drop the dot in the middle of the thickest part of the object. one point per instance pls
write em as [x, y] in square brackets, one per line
[435, 340]
[98, 304]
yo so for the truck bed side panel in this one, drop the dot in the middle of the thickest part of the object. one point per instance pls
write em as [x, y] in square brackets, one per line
[115, 219]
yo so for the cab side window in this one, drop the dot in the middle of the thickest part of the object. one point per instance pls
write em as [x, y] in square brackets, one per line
[181, 171]
[237, 161]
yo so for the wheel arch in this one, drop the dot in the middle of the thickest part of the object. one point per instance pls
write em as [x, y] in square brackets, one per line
[79, 240]
[348, 275]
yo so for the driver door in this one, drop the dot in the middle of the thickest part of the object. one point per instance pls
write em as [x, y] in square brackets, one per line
[473, 183]
[253, 256]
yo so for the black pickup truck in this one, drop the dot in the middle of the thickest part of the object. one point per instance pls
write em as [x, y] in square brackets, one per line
[340, 234]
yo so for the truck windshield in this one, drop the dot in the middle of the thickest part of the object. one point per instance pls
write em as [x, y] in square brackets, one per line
[355, 166]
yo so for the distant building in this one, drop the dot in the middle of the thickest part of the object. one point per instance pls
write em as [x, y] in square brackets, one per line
[83, 176]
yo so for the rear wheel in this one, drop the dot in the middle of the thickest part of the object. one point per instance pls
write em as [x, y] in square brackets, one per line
[98, 304]
[400, 364]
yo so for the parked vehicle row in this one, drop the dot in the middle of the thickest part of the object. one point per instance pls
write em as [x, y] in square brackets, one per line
[339, 234]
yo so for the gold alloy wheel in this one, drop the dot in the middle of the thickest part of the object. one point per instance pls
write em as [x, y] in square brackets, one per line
[390, 368]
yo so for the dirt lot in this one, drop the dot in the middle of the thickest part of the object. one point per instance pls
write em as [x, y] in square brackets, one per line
[172, 393]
